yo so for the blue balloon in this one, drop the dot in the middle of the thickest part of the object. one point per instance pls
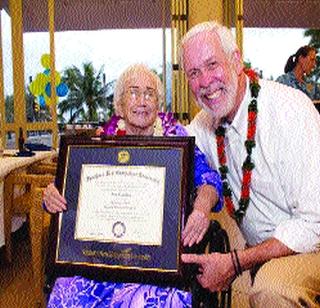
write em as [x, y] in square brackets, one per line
[42, 101]
[46, 72]
[48, 89]
[62, 89]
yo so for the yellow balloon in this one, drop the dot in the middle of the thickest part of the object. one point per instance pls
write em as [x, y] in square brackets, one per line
[34, 89]
[45, 60]
[48, 100]
[58, 77]
[38, 85]
[42, 80]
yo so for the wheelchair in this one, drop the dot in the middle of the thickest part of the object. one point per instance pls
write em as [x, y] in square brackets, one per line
[215, 240]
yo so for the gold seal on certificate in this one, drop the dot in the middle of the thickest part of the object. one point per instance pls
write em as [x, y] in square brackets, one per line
[121, 204]
[123, 157]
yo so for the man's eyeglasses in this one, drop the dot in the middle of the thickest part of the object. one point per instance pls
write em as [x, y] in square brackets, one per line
[148, 95]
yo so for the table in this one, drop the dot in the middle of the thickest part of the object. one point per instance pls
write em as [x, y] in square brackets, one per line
[9, 163]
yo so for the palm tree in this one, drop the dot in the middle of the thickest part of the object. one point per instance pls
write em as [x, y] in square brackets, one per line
[314, 37]
[87, 94]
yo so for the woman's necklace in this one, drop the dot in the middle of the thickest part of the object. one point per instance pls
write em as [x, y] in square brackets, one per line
[248, 165]
[120, 129]
[165, 125]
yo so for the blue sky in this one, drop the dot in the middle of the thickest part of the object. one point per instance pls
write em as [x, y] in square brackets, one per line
[266, 49]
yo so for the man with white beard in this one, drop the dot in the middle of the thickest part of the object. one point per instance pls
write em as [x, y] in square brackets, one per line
[264, 138]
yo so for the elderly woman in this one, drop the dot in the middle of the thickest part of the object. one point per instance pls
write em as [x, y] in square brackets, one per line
[299, 66]
[137, 98]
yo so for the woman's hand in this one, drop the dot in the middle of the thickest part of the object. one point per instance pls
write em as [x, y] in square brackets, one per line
[99, 131]
[199, 220]
[196, 227]
[54, 202]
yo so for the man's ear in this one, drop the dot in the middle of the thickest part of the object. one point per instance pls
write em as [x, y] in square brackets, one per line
[237, 61]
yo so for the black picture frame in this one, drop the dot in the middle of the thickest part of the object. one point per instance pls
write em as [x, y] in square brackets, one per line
[126, 262]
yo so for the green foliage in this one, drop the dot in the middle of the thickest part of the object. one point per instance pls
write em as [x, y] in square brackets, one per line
[87, 94]
[32, 115]
[247, 64]
[9, 108]
[314, 35]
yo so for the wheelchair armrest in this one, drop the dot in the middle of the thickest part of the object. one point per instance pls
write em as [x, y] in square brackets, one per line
[215, 240]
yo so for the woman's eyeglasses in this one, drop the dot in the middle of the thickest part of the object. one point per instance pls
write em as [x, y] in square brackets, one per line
[148, 94]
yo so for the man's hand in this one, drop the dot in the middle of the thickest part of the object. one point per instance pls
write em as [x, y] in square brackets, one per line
[53, 200]
[216, 270]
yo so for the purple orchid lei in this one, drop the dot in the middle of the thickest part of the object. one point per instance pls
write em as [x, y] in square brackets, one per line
[170, 125]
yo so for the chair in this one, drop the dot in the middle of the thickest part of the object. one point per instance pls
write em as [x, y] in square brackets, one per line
[39, 238]
[29, 203]
[43, 168]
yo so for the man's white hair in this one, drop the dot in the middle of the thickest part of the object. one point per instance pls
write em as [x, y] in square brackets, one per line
[126, 75]
[228, 42]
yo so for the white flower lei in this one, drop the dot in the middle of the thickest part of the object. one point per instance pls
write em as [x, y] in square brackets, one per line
[157, 127]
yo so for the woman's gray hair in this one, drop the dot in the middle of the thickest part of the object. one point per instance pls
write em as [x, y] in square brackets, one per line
[131, 70]
[228, 42]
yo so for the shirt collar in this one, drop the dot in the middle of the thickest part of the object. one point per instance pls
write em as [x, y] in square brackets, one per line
[291, 75]
[239, 123]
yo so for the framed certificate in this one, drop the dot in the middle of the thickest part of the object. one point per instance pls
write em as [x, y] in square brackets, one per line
[128, 199]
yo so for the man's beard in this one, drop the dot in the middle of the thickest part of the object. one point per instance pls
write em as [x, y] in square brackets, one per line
[229, 102]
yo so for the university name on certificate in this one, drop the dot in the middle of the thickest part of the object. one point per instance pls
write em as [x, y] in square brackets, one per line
[121, 204]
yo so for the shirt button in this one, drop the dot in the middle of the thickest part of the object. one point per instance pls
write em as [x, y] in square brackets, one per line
[294, 206]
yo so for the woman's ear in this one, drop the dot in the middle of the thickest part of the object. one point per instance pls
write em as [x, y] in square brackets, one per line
[120, 110]
[158, 105]
[237, 61]
[300, 59]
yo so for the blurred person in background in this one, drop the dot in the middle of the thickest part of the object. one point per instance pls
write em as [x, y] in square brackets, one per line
[298, 67]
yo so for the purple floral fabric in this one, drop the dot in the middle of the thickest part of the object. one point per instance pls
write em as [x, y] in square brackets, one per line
[81, 292]
[203, 174]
